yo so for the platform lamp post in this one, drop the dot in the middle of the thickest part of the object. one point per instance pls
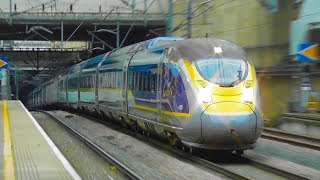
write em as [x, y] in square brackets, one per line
[118, 27]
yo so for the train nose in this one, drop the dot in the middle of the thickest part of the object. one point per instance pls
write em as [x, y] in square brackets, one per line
[236, 129]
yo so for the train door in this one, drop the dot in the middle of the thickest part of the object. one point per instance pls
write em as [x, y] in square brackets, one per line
[159, 87]
[98, 79]
[163, 79]
[125, 90]
[143, 94]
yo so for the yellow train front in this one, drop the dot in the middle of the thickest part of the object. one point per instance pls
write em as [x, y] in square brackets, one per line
[222, 92]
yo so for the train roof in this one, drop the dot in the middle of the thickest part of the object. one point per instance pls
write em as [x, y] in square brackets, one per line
[201, 48]
[189, 49]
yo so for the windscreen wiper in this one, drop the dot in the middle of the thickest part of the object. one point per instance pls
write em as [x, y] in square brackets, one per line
[239, 78]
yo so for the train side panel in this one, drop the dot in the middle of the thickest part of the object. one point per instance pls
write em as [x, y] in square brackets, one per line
[88, 81]
[110, 85]
[143, 98]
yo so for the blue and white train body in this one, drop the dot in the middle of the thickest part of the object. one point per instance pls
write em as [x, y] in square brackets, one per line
[201, 92]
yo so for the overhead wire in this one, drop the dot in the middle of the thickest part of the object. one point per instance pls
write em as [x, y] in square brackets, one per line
[134, 23]
[195, 17]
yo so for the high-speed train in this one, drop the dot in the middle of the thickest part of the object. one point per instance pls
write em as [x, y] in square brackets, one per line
[199, 92]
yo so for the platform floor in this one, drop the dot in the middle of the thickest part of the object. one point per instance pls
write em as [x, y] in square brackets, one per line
[26, 150]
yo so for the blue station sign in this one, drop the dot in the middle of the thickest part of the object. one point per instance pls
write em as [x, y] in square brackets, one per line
[307, 52]
[4, 63]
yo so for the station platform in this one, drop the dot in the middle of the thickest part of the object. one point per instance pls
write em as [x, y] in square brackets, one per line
[26, 150]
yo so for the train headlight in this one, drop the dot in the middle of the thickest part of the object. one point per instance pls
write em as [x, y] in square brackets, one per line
[247, 95]
[205, 94]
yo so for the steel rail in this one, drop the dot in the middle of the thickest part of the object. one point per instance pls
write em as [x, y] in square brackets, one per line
[282, 136]
[309, 119]
[272, 169]
[96, 148]
[210, 165]
[201, 161]
[302, 116]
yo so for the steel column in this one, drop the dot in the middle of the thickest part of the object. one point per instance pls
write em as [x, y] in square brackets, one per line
[189, 19]
[10, 16]
[145, 13]
[118, 28]
[61, 34]
[169, 20]
[16, 73]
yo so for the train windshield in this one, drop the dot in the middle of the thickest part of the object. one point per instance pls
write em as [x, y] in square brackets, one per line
[225, 72]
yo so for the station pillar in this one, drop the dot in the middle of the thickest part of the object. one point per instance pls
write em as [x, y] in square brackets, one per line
[4, 84]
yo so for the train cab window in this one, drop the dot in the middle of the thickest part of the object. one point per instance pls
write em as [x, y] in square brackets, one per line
[223, 71]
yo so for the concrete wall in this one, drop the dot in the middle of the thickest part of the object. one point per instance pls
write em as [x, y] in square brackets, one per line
[265, 37]
[275, 94]
[245, 22]
[315, 85]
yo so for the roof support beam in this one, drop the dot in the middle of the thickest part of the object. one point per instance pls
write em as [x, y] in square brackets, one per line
[103, 42]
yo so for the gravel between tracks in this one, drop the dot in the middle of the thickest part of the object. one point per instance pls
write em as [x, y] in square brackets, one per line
[86, 162]
[298, 155]
[145, 160]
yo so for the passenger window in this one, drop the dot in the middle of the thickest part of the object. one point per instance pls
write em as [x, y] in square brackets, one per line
[136, 83]
[141, 83]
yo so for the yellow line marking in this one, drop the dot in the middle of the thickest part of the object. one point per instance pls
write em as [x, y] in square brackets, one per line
[8, 166]
[163, 112]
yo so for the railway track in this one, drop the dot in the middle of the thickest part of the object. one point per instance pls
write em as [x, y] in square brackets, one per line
[290, 138]
[239, 167]
[126, 170]
[309, 119]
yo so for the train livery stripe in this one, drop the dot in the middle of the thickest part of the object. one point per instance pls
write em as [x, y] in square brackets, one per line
[180, 114]
[8, 161]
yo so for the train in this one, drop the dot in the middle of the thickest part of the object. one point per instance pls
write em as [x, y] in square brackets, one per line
[201, 93]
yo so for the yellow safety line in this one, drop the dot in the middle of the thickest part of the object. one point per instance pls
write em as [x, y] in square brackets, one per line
[8, 167]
